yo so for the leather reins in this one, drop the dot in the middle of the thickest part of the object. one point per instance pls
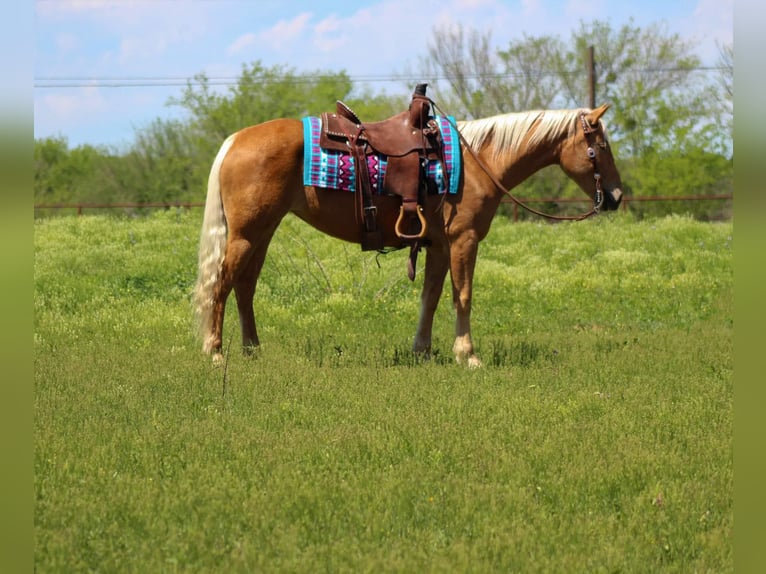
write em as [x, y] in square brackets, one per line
[598, 199]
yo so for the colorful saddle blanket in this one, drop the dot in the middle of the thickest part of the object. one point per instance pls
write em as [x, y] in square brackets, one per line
[335, 170]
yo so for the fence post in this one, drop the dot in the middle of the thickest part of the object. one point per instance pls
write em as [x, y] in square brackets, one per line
[592, 76]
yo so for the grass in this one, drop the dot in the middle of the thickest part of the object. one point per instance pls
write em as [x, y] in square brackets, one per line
[597, 437]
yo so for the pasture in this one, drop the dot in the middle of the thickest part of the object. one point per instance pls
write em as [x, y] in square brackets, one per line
[596, 438]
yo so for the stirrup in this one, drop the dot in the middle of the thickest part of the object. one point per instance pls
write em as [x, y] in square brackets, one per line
[406, 236]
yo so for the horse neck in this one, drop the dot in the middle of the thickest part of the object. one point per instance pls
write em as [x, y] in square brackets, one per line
[515, 163]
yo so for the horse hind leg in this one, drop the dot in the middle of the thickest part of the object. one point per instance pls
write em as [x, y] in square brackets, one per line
[244, 290]
[235, 261]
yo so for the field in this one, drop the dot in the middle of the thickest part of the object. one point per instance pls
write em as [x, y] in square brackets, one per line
[596, 438]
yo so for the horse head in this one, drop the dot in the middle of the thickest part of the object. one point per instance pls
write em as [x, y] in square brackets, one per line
[587, 158]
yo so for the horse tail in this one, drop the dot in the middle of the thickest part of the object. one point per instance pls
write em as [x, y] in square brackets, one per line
[212, 247]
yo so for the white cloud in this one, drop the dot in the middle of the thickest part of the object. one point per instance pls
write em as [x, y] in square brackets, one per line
[64, 7]
[285, 32]
[241, 44]
[129, 32]
[97, 10]
[96, 38]
[67, 108]
[328, 34]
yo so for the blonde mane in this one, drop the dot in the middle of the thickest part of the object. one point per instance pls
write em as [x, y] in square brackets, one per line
[507, 131]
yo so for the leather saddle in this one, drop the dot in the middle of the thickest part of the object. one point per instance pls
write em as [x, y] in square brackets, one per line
[408, 140]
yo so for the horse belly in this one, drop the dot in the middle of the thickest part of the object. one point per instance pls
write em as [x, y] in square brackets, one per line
[334, 212]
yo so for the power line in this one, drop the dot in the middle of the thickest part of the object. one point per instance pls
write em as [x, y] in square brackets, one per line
[170, 81]
[47, 82]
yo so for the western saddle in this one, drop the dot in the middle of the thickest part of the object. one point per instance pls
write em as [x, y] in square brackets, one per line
[407, 140]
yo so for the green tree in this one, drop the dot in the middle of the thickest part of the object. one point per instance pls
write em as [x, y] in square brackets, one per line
[703, 173]
[463, 69]
[63, 175]
[652, 79]
[164, 164]
[260, 94]
[169, 160]
[534, 66]
[480, 82]
[665, 108]
[50, 183]
[725, 88]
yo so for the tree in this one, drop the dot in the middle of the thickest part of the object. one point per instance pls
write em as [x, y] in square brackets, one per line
[726, 66]
[49, 154]
[62, 175]
[483, 83]
[725, 85]
[165, 164]
[651, 78]
[466, 65]
[260, 94]
[169, 161]
[664, 106]
[534, 67]
[647, 74]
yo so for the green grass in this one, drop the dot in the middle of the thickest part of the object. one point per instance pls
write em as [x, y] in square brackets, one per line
[596, 438]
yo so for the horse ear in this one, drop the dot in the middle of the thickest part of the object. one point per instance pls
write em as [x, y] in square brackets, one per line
[596, 114]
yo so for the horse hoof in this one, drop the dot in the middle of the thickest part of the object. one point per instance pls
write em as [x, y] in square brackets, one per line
[474, 362]
[422, 354]
[217, 359]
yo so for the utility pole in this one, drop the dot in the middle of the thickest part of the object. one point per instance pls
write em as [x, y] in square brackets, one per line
[592, 77]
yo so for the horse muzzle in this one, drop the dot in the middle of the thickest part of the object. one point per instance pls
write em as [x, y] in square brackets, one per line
[612, 199]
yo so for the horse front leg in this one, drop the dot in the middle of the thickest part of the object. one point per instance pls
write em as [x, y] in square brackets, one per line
[437, 264]
[462, 264]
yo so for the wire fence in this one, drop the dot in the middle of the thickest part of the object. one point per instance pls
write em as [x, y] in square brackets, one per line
[627, 201]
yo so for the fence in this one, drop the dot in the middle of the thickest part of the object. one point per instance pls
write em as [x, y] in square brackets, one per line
[626, 201]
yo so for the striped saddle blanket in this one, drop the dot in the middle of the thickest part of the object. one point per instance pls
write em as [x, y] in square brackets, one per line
[335, 170]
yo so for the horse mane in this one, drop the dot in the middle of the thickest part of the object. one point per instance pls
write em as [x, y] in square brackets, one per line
[507, 131]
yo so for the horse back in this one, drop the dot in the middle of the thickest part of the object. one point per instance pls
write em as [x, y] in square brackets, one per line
[262, 171]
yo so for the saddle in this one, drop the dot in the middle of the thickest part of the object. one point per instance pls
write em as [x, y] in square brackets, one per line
[407, 140]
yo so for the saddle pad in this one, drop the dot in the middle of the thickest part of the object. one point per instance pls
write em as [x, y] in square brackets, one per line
[335, 170]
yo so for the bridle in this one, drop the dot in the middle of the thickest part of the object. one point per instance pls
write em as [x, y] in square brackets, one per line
[598, 198]
[588, 130]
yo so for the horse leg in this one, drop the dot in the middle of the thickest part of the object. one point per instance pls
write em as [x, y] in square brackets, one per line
[462, 263]
[437, 264]
[238, 253]
[244, 290]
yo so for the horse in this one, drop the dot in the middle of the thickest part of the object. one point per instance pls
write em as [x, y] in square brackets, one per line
[256, 180]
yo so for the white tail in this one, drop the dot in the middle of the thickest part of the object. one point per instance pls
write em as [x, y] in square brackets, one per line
[212, 247]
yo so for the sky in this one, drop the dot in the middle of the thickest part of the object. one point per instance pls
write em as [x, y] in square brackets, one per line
[104, 69]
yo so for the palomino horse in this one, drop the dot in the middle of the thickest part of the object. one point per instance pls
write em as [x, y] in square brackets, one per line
[257, 179]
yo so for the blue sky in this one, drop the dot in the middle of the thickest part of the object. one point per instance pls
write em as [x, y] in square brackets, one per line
[82, 45]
